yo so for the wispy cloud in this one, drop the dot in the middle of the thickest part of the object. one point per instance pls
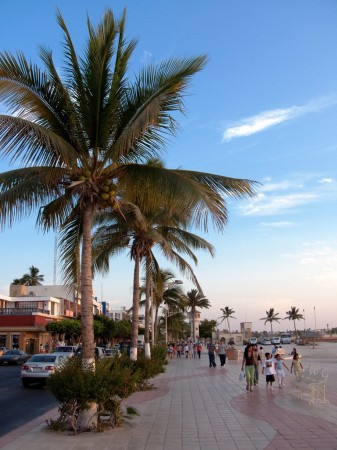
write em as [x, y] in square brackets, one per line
[281, 224]
[320, 260]
[285, 196]
[267, 119]
[146, 57]
[326, 180]
[277, 204]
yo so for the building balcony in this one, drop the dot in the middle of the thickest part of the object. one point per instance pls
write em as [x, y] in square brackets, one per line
[22, 311]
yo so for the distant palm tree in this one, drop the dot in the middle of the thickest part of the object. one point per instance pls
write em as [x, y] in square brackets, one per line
[193, 300]
[271, 317]
[227, 313]
[293, 315]
[30, 279]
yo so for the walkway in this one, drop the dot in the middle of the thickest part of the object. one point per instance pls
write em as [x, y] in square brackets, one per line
[195, 407]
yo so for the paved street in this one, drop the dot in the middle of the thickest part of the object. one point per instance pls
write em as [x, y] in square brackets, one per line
[197, 407]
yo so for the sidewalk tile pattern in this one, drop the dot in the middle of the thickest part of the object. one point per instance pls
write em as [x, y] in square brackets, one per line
[194, 407]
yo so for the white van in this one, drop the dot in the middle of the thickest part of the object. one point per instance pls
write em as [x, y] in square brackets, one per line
[253, 340]
[285, 338]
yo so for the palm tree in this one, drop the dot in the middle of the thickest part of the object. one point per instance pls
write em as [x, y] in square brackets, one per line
[32, 278]
[271, 317]
[293, 315]
[159, 229]
[164, 292]
[227, 313]
[82, 139]
[193, 300]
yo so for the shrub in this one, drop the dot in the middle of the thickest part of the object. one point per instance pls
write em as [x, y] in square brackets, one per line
[112, 380]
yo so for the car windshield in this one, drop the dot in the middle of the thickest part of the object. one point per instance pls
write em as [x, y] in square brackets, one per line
[12, 352]
[43, 358]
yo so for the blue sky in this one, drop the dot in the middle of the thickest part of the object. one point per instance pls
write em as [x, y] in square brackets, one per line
[264, 108]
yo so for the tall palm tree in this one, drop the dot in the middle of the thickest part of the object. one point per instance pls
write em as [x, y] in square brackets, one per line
[165, 292]
[227, 313]
[162, 229]
[294, 315]
[81, 140]
[193, 300]
[271, 317]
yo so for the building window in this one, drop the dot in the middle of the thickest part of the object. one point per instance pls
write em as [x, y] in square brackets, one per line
[15, 340]
[2, 340]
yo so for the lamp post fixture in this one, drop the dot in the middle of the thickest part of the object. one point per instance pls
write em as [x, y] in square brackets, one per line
[314, 343]
[167, 313]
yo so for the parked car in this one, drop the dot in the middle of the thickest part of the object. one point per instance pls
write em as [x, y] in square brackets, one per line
[68, 350]
[14, 357]
[112, 352]
[266, 342]
[285, 338]
[3, 350]
[99, 352]
[276, 340]
[253, 340]
[40, 366]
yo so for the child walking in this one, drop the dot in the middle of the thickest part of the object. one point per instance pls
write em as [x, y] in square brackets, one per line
[269, 369]
[296, 365]
[279, 370]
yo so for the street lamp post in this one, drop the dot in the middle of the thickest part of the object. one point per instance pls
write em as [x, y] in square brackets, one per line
[314, 343]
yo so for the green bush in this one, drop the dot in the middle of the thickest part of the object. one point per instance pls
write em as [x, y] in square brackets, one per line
[112, 381]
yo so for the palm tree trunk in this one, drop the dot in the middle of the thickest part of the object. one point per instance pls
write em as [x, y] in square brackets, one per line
[87, 315]
[193, 323]
[156, 324]
[147, 310]
[229, 328]
[87, 418]
[135, 309]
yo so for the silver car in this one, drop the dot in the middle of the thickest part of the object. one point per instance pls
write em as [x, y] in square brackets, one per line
[40, 366]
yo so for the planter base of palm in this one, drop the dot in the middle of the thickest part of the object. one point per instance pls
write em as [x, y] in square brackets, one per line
[147, 349]
[133, 353]
[87, 418]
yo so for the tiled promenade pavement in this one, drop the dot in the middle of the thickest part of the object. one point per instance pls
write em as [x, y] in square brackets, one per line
[196, 407]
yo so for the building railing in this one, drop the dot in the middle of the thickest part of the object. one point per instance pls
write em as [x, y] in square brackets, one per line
[22, 311]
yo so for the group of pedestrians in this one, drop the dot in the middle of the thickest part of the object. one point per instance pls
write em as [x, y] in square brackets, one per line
[219, 349]
[185, 349]
[273, 366]
[189, 349]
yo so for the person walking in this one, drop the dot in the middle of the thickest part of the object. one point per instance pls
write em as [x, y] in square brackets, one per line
[222, 353]
[280, 374]
[269, 370]
[296, 365]
[257, 364]
[211, 353]
[199, 348]
[248, 364]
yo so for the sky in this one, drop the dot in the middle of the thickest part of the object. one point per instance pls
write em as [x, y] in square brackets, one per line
[264, 108]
